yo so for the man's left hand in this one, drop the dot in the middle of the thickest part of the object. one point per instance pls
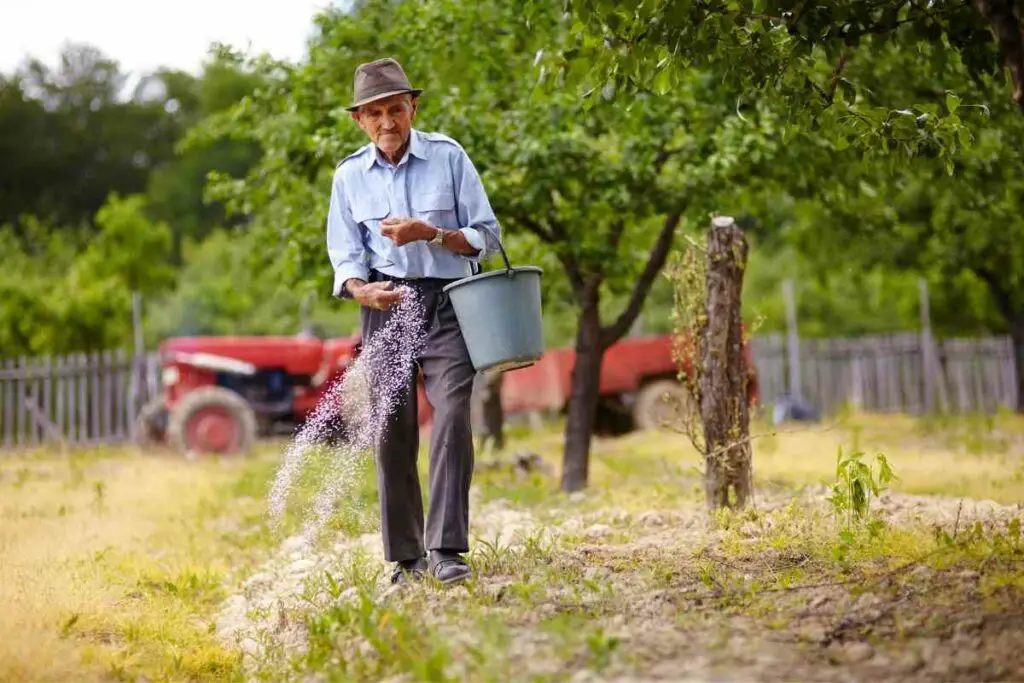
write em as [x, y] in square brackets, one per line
[401, 231]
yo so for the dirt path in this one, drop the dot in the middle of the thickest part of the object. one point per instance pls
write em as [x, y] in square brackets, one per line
[612, 596]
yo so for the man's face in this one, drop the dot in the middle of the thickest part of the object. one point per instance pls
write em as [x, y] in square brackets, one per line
[387, 121]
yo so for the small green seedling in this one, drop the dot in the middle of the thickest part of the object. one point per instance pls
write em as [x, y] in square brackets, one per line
[857, 482]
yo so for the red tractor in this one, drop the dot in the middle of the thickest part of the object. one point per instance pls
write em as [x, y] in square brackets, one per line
[221, 393]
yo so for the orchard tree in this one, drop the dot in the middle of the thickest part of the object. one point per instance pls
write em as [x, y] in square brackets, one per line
[808, 56]
[601, 188]
[917, 217]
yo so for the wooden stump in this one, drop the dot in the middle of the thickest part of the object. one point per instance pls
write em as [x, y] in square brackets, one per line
[724, 410]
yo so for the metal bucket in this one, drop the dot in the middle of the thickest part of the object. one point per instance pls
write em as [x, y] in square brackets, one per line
[500, 316]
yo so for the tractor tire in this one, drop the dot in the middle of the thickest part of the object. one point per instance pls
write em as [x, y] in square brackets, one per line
[151, 424]
[212, 420]
[661, 402]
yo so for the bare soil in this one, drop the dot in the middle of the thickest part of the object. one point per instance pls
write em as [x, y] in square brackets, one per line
[664, 595]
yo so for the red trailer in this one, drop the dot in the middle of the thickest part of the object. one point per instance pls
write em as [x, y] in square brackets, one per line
[636, 374]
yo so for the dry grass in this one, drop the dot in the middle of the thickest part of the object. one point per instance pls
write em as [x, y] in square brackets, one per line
[977, 457]
[113, 563]
[108, 557]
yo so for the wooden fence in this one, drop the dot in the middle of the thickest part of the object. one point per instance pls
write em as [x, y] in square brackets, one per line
[75, 400]
[889, 373]
[93, 399]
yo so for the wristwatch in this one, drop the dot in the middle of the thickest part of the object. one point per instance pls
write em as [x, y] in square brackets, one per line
[438, 238]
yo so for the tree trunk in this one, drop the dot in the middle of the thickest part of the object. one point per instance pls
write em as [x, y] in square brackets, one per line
[1005, 22]
[583, 398]
[723, 397]
[493, 413]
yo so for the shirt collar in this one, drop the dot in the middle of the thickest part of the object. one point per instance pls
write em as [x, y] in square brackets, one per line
[417, 148]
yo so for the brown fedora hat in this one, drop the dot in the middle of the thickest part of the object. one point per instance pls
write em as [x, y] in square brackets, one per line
[379, 79]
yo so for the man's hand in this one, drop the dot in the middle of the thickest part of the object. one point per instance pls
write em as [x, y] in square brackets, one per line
[379, 295]
[401, 231]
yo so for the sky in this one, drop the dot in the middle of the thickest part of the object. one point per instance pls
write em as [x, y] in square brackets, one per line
[145, 34]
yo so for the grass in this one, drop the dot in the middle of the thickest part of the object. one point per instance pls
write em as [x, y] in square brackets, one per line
[977, 457]
[115, 563]
[110, 556]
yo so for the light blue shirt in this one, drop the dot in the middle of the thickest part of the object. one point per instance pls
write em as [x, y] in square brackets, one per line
[436, 182]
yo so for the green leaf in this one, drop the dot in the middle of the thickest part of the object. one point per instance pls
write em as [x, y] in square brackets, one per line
[875, 528]
[885, 471]
[952, 102]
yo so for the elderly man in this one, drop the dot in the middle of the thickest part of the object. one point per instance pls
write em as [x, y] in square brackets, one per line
[409, 209]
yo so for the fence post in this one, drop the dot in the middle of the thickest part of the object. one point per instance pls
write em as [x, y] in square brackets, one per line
[137, 321]
[10, 438]
[927, 364]
[856, 382]
[792, 340]
[83, 398]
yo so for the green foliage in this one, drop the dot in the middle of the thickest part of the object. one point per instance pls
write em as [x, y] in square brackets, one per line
[965, 232]
[219, 292]
[811, 59]
[63, 294]
[129, 248]
[856, 483]
[593, 187]
[68, 138]
[398, 641]
[177, 190]
[80, 238]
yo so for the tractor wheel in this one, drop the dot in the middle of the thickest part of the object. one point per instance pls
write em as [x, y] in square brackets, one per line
[212, 420]
[663, 401]
[151, 423]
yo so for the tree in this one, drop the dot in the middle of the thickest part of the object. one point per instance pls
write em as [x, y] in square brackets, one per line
[601, 192]
[806, 54]
[69, 137]
[70, 288]
[920, 218]
[961, 230]
[176, 190]
[219, 292]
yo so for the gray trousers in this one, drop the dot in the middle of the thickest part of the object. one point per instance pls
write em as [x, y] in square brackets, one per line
[448, 380]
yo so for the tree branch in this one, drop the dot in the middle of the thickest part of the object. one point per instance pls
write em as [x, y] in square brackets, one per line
[1003, 299]
[663, 155]
[659, 254]
[618, 227]
[1006, 27]
[838, 73]
[545, 234]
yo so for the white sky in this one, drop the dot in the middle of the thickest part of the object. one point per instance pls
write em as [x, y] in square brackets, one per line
[144, 34]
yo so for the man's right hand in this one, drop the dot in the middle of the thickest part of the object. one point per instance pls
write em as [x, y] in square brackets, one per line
[379, 295]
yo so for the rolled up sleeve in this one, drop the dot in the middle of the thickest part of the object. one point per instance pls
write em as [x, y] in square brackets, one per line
[482, 230]
[345, 246]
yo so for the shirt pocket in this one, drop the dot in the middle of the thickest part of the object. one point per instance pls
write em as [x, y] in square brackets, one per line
[369, 210]
[436, 206]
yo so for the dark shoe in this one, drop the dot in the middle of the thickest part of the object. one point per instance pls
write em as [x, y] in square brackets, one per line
[407, 571]
[448, 567]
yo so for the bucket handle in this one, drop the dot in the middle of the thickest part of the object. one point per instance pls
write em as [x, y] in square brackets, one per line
[504, 257]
